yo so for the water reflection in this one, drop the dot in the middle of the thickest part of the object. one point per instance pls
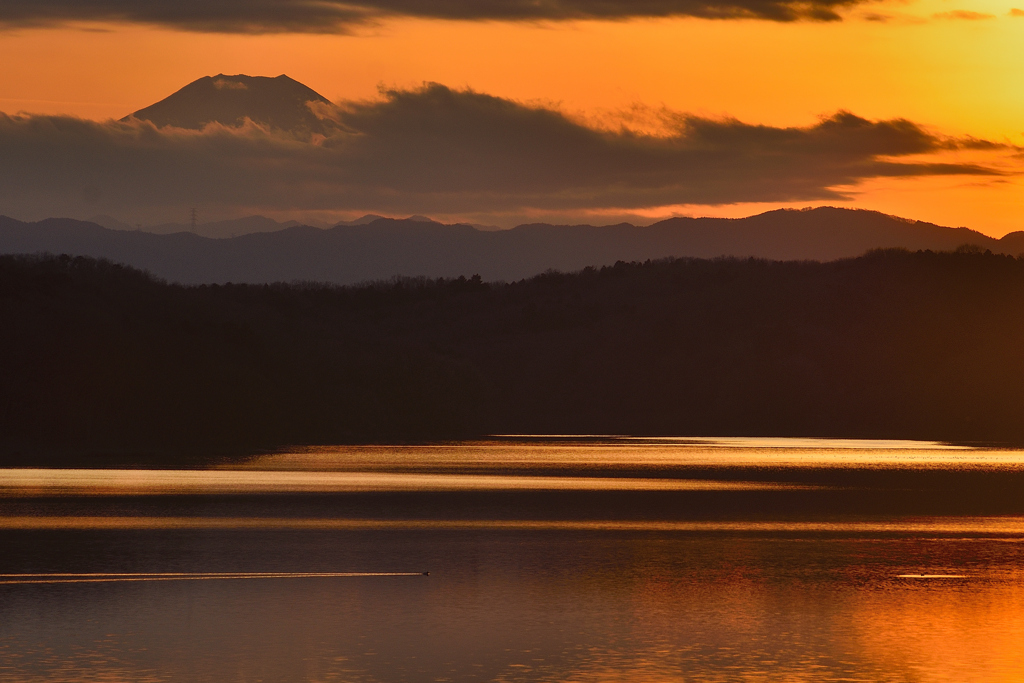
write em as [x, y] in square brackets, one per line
[524, 606]
[107, 482]
[585, 560]
[589, 453]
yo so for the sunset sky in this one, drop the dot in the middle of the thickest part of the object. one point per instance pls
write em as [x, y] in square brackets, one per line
[616, 110]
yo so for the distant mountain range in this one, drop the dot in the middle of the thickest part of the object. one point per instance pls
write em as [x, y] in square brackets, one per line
[383, 248]
[236, 227]
[215, 229]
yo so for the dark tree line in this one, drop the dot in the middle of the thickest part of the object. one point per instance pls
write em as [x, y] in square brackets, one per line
[98, 358]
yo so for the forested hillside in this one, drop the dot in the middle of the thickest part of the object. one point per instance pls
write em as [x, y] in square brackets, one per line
[97, 358]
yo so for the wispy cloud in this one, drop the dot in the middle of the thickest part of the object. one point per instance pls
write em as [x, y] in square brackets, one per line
[339, 16]
[435, 149]
[964, 15]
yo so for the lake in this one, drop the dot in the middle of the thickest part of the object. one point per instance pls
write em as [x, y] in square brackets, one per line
[549, 559]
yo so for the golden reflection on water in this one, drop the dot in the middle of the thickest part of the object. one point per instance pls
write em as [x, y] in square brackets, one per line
[492, 465]
[539, 607]
[630, 452]
[930, 599]
[940, 632]
[28, 482]
[931, 576]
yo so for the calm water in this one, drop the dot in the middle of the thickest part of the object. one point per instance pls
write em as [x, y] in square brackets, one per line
[548, 560]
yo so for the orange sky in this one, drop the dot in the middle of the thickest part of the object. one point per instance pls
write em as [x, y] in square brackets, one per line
[955, 76]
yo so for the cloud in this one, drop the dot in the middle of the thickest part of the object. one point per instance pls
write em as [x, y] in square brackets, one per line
[438, 150]
[964, 15]
[1014, 12]
[227, 84]
[338, 16]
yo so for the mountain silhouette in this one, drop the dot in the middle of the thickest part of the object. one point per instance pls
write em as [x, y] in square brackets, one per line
[384, 248]
[364, 220]
[280, 102]
[216, 229]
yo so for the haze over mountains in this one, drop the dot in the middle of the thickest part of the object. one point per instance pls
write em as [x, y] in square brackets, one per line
[257, 249]
[214, 229]
[384, 248]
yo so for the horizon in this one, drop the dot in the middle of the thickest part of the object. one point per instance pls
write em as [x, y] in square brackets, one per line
[111, 222]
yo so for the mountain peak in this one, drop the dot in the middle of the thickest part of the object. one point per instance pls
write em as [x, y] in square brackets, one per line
[280, 102]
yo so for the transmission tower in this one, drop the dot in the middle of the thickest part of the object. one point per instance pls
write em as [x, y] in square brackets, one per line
[193, 218]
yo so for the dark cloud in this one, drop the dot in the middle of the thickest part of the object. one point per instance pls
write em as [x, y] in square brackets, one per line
[445, 151]
[332, 16]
